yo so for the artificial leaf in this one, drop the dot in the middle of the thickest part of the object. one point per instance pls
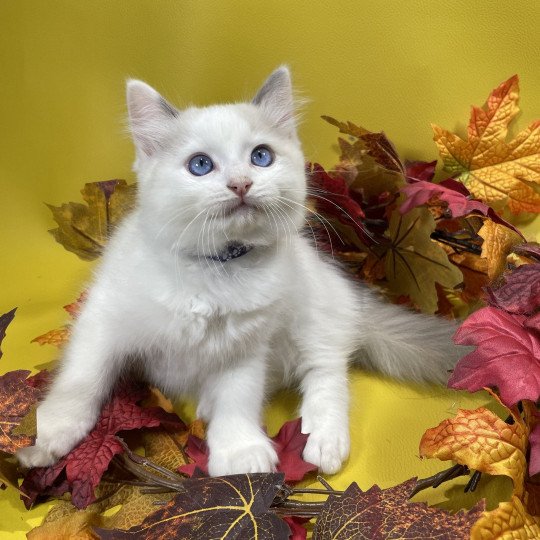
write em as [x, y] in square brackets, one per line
[378, 514]
[499, 241]
[534, 459]
[414, 262]
[420, 193]
[528, 249]
[5, 319]
[509, 520]
[65, 521]
[298, 531]
[289, 444]
[474, 270]
[336, 200]
[520, 292]
[84, 228]
[375, 145]
[81, 470]
[56, 337]
[16, 399]
[507, 356]
[224, 507]
[496, 171]
[482, 441]
[420, 171]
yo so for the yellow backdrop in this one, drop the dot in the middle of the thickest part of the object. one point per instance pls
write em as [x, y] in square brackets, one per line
[390, 65]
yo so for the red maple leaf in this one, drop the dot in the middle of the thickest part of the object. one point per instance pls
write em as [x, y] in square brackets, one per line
[521, 291]
[421, 192]
[80, 471]
[507, 356]
[289, 444]
[334, 198]
[416, 171]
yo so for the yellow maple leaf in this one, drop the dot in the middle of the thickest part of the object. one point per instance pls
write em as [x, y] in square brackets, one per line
[498, 243]
[497, 171]
[509, 520]
[482, 441]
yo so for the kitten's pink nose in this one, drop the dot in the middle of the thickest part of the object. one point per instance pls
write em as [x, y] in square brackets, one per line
[240, 186]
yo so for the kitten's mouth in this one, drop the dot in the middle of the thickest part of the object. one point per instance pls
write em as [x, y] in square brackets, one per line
[239, 208]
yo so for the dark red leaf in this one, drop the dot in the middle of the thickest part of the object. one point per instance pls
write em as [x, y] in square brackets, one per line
[507, 356]
[289, 444]
[521, 291]
[534, 459]
[528, 249]
[5, 319]
[420, 171]
[40, 380]
[298, 531]
[85, 464]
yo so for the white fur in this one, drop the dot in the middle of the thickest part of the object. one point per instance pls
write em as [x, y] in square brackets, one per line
[227, 333]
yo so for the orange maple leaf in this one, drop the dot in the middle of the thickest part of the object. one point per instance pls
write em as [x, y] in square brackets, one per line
[497, 171]
[482, 441]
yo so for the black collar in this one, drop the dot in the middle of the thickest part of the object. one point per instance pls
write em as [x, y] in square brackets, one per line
[232, 250]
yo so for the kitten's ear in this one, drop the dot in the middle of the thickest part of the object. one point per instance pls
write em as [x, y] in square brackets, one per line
[149, 116]
[276, 100]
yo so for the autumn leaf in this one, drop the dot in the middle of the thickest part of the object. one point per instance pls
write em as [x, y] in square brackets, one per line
[420, 171]
[499, 241]
[60, 336]
[378, 514]
[474, 270]
[5, 319]
[420, 193]
[496, 171]
[375, 145]
[84, 228]
[65, 521]
[520, 292]
[225, 507]
[482, 441]
[414, 262]
[16, 399]
[507, 356]
[289, 443]
[80, 471]
[509, 520]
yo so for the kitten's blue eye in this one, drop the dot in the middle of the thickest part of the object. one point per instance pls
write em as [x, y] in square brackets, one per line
[200, 165]
[262, 156]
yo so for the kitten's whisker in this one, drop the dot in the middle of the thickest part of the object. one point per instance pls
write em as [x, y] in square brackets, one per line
[322, 220]
[309, 225]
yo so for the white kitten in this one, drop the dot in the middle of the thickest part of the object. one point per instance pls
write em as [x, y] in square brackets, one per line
[209, 289]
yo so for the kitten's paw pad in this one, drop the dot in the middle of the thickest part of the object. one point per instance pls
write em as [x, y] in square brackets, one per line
[327, 449]
[251, 459]
[35, 456]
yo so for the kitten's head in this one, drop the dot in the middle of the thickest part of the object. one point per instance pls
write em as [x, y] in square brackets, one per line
[221, 173]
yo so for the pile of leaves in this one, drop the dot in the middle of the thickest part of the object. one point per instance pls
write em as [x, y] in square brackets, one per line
[444, 247]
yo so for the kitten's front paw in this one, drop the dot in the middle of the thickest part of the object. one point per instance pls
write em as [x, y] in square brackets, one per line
[259, 458]
[327, 448]
[35, 456]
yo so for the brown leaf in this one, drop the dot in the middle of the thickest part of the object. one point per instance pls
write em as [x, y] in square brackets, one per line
[414, 262]
[5, 319]
[225, 507]
[84, 228]
[378, 514]
[16, 399]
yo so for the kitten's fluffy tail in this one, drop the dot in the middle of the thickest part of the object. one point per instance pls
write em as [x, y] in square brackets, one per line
[404, 344]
